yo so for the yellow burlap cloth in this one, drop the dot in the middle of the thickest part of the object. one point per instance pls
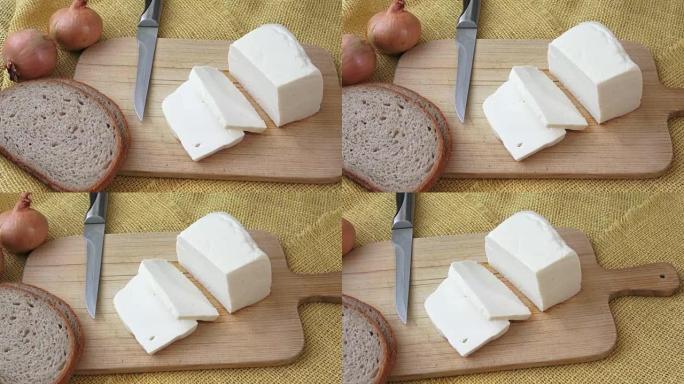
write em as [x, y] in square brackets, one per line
[656, 24]
[306, 224]
[312, 21]
[625, 230]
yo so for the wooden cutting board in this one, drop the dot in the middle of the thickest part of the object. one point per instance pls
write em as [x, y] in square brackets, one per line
[580, 329]
[636, 145]
[308, 151]
[267, 333]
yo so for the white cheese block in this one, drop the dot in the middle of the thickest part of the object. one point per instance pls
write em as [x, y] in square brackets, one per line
[547, 101]
[514, 123]
[144, 315]
[225, 101]
[221, 255]
[590, 61]
[457, 319]
[177, 292]
[528, 251]
[489, 295]
[192, 122]
[273, 67]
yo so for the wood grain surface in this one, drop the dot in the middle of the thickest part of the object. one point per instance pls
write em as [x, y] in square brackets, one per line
[637, 145]
[267, 333]
[307, 151]
[580, 329]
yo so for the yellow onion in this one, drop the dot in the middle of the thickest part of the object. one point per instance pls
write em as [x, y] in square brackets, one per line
[76, 27]
[29, 54]
[395, 30]
[358, 60]
[23, 228]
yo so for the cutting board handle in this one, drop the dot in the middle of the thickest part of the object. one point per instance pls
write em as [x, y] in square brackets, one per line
[325, 287]
[676, 97]
[658, 279]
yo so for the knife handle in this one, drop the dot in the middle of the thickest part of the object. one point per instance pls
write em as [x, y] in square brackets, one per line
[98, 210]
[470, 15]
[151, 14]
[406, 204]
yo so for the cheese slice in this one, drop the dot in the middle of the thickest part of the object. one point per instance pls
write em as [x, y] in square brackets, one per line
[144, 315]
[528, 251]
[221, 255]
[547, 101]
[176, 292]
[513, 122]
[591, 62]
[273, 67]
[457, 319]
[192, 122]
[225, 101]
[489, 295]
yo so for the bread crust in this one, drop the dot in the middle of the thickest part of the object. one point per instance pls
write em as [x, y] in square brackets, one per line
[375, 315]
[121, 146]
[72, 359]
[45, 295]
[386, 365]
[440, 161]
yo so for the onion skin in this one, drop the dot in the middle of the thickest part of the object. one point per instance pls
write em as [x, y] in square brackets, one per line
[348, 237]
[358, 60]
[395, 30]
[29, 54]
[76, 27]
[24, 228]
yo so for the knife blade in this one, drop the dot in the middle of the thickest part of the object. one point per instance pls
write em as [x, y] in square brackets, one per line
[402, 238]
[93, 232]
[148, 29]
[466, 39]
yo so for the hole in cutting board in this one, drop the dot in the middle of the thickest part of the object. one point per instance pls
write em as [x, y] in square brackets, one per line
[662, 276]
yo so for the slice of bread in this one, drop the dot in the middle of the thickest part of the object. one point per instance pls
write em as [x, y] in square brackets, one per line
[389, 142]
[377, 317]
[60, 134]
[63, 307]
[365, 352]
[430, 107]
[37, 345]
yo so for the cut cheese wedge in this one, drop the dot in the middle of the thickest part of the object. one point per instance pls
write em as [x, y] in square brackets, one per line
[225, 101]
[274, 68]
[220, 254]
[144, 315]
[489, 295]
[528, 251]
[177, 292]
[516, 125]
[457, 319]
[591, 62]
[547, 101]
[193, 123]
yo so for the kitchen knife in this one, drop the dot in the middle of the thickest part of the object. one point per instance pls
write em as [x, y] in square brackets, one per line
[402, 238]
[466, 38]
[93, 231]
[147, 44]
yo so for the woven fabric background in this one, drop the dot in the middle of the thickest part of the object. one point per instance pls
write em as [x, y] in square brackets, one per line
[312, 21]
[626, 229]
[656, 24]
[306, 224]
